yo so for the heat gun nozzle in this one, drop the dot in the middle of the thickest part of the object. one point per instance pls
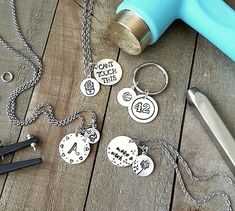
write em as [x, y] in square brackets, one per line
[129, 32]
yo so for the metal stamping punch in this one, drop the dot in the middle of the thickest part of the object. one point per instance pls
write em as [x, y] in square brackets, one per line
[5, 150]
[224, 141]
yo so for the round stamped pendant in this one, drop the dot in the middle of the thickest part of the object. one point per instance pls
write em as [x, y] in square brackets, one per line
[90, 87]
[121, 151]
[92, 134]
[108, 72]
[125, 96]
[143, 165]
[143, 109]
[74, 149]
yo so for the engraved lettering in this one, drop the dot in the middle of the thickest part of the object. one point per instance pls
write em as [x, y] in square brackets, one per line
[74, 148]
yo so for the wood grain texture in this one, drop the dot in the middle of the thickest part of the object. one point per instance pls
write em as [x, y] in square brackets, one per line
[35, 19]
[213, 73]
[114, 188]
[56, 185]
[96, 184]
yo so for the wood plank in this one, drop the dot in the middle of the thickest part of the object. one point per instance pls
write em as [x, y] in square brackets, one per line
[56, 185]
[114, 188]
[35, 19]
[213, 73]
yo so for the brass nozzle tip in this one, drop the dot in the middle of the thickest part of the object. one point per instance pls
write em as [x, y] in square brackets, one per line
[129, 32]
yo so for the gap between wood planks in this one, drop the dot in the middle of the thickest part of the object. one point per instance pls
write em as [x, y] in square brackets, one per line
[31, 94]
[103, 121]
[97, 149]
[183, 120]
[94, 162]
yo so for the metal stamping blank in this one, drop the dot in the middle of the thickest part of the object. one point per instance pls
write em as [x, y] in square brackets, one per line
[224, 141]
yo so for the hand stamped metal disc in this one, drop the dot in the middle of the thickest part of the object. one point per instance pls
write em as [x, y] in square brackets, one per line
[125, 96]
[143, 109]
[143, 165]
[74, 148]
[90, 87]
[108, 72]
[121, 151]
[92, 134]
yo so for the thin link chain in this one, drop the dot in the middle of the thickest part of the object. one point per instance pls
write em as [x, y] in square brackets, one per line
[170, 152]
[37, 73]
[86, 38]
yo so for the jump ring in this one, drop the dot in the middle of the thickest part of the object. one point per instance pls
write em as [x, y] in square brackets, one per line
[7, 77]
[159, 67]
[146, 93]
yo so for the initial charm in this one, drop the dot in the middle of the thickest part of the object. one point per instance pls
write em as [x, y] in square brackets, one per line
[74, 148]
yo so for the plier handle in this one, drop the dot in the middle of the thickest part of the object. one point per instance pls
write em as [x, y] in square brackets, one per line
[5, 150]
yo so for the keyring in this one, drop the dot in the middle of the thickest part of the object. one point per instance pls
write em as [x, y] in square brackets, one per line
[7, 77]
[159, 68]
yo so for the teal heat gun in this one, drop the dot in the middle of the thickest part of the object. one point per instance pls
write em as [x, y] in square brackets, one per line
[141, 22]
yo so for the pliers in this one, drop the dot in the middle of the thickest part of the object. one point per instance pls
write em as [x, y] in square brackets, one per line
[5, 150]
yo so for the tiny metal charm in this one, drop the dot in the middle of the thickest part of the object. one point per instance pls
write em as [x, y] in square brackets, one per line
[108, 72]
[125, 96]
[122, 151]
[7, 77]
[90, 87]
[74, 148]
[143, 109]
[143, 165]
[92, 134]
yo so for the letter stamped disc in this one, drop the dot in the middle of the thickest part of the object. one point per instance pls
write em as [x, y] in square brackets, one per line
[92, 134]
[143, 109]
[121, 151]
[108, 72]
[74, 149]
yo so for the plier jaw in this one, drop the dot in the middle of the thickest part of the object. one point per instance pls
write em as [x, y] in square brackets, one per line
[5, 150]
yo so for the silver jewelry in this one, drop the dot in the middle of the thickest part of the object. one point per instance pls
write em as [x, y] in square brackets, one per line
[158, 67]
[144, 108]
[36, 65]
[7, 77]
[92, 134]
[125, 96]
[106, 71]
[141, 108]
[74, 148]
[90, 87]
[75, 139]
[143, 166]
[122, 151]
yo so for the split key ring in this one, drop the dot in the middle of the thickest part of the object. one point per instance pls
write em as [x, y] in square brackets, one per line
[158, 67]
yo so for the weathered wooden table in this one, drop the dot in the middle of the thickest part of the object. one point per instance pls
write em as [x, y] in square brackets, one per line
[53, 29]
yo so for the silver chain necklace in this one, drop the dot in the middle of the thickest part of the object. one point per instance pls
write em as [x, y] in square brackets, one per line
[104, 76]
[75, 147]
[107, 71]
[37, 68]
[122, 151]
